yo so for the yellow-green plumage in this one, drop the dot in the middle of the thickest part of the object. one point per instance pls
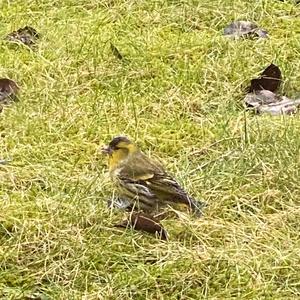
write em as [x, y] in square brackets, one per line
[143, 182]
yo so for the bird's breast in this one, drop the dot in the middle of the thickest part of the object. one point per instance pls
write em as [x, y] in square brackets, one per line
[115, 172]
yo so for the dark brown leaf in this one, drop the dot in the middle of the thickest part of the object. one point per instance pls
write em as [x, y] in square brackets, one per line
[270, 80]
[296, 1]
[26, 35]
[8, 90]
[115, 51]
[144, 222]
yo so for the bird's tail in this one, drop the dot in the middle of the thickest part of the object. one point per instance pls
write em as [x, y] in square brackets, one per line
[197, 207]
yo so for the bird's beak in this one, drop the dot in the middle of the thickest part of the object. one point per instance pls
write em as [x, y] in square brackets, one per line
[106, 150]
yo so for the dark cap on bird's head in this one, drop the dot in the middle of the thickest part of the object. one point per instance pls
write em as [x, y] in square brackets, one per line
[116, 143]
[118, 140]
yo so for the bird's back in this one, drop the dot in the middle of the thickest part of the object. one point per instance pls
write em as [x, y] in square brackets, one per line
[148, 182]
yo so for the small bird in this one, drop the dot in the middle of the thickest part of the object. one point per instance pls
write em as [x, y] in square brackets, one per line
[142, 182]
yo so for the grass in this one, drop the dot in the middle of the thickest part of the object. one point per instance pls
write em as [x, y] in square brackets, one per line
[179, 94]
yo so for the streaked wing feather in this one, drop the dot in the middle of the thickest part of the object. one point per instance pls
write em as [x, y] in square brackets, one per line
[169, 189]
[146, 181]
[138, 190]
[158, 188]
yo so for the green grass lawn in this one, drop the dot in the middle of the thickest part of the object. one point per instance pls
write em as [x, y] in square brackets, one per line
[178, 93]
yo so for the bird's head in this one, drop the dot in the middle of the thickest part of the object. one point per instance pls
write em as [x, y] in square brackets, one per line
[119, 149]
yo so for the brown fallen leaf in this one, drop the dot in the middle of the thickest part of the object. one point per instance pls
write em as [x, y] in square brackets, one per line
[244, 29]
[26, 35]
[270, 79]
[115, 51]
[285, 107]
[262, 97]
[144, 222]
[296, 1]
[265, 101]
[8, 90]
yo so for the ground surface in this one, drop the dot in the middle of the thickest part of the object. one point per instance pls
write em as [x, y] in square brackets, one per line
[178, 94]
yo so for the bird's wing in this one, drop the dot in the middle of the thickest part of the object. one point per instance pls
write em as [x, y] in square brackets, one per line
[140, 167]
[155, 186]
[168, 189]
[148, 180]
